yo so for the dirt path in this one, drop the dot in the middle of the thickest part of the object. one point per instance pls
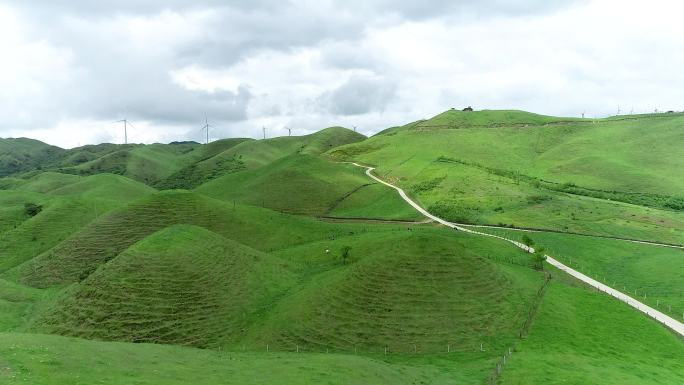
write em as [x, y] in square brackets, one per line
[666, 320]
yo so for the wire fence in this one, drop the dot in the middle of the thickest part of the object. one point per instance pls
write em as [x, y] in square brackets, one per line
[501, 362]
[638, 293]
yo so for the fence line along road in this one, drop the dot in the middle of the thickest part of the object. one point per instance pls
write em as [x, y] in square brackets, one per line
[666, 320]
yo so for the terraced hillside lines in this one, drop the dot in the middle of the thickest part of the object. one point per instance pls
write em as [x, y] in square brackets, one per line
[579, 337]
[70, 204]
[183, 285]
[111, 234]
[666, 320]
[407, 293]
[78, 256]
[57, 221]
[297, 184]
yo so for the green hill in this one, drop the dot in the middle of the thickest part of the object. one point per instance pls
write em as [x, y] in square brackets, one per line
[580, 337]
[81, 254]
[212, 164]
[298, 184]
[407, 291]
[68, 204]
[182, 285]
[589, 176]
[22, 154]
[283, 262]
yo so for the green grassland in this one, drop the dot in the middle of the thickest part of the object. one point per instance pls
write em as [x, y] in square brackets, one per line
[68, 204]
[284, 264]
[183, 285]
[578, 176]
[308, 185]
[654, 271]
[373, 200]
[254, 154]
[52, 360]
[581, 337]
[385, 295]
[22, 154]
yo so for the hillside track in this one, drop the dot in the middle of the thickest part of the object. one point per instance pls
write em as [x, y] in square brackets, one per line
[666, 320]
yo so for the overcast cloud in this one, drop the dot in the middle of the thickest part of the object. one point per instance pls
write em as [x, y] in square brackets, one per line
[70, 68]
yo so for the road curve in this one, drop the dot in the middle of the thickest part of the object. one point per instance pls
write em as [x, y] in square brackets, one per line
[666, 320]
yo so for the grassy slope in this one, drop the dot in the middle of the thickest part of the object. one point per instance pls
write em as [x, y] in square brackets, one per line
[655, 271]
[258, 153]
[581, 337]
[330, 307]
[298, 184]
[144, 163]
[386, 294]
[182, 285]
[52, 360]
[607, 155]
[296, 180]
[22, 154]
[374, 201]
[112, 233]
[471, 195]
[69, 204]
[212, 163]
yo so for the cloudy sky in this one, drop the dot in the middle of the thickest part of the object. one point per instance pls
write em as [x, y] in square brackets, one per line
[70, 68]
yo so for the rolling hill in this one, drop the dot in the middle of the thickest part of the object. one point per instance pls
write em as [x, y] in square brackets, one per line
[182, 285]
[286, 264]
[518, 169]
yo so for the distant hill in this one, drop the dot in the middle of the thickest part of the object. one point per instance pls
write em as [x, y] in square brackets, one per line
[22, 154]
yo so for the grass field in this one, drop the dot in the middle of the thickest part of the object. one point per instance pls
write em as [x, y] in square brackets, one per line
[183, 285]
[581, 337]
[289, 266]
[654, 271]
[541, 173]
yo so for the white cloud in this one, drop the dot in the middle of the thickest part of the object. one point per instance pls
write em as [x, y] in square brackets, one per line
[314, 64]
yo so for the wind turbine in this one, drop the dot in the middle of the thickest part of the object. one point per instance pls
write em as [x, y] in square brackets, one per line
[206, 127]
[126, 124]
[264, 129]
[289, 131]
[354, 128]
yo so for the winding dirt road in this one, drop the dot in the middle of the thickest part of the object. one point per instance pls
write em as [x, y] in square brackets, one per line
[666, 320]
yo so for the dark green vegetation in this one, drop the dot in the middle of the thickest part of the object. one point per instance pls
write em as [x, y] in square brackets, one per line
[286, 265]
